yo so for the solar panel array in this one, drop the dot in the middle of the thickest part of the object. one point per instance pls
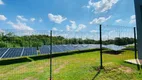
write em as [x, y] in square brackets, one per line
[17, 52]
[66, 48]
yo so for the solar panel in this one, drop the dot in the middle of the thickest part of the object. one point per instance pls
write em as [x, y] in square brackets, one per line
[29, 51]
[44, 49]
[63, 48]
[91, 46]
[13, 52]
[3, 51]
[55, 49]
[80, 47]
[114, 47]
[76, 47]
[70, 47]
[87, 46]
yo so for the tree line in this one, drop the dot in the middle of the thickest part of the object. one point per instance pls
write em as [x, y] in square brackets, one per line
[10, 40]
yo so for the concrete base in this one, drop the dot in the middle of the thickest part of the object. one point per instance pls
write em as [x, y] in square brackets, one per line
[134, 61]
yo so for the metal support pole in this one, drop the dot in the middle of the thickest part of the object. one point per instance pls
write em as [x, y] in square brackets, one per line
[51, 55]
[101, 57]
[135, 41]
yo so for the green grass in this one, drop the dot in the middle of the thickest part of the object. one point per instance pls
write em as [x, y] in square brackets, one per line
[74, 67]
[131, 46]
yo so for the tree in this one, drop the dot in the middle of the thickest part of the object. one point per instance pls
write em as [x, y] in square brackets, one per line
[3, 44]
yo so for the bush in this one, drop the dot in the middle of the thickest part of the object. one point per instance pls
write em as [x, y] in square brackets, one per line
[3, 44]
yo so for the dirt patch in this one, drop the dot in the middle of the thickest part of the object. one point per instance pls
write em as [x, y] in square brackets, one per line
[19, 69]
[47, 63]
[60, 67]
[41, 69]
[125, 69]
[1, 74]
[121, 69]
[108, 63]
[30, 78]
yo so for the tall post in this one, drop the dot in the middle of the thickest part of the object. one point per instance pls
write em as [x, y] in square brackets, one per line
[135, 41]
[51, 55]
[101, 57]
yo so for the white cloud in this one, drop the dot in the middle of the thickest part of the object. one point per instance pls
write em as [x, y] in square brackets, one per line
[32, 19]
[40, 20]
[2, 31]
[20, 26]
[68, 28]
[111, 32]
[132, 19]
[99, 20]
[118, 20]
[75, 27]
[80, 27]
[21, 18]
[2, 17]
[102, 5]
[56, 18]
[54, 29]
[93, 31]
[1, 2]
[73, 24]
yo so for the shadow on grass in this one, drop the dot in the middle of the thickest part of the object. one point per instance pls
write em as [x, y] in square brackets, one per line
[113, 52]
[14, 61]
[96, 75]
[41, 57]
[98, 72]
[131, 49]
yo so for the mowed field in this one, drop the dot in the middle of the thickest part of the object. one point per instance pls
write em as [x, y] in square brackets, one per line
[79, 66]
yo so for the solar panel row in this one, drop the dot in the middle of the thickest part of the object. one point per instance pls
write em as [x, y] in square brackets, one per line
[65, 48]
[13, 52]
[44, 50]
[29, 51]
[17, 52]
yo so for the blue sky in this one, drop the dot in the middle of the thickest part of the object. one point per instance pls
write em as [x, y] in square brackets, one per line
[66, 15]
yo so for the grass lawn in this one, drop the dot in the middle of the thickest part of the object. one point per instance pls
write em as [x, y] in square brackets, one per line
[74, 67]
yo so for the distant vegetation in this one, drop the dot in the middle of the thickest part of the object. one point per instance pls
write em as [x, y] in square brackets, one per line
[120, 41]
[11, 40]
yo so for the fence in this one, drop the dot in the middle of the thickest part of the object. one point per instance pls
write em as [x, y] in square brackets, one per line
[115, 43]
